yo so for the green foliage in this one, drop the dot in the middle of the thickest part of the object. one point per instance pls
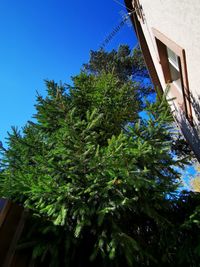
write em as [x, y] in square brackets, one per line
[99, 181]
[125, 64]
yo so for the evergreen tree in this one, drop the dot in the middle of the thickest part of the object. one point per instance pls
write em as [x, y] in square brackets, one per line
[129, 65]
[125, 64]
[99, 181]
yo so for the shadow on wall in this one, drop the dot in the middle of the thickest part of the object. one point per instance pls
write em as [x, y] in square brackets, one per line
[196, 107]
[191, 132]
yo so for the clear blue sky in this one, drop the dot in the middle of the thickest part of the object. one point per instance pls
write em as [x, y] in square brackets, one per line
[49, 39]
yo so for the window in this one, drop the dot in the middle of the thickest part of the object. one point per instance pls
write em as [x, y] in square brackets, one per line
[173, 63]
[174, 69]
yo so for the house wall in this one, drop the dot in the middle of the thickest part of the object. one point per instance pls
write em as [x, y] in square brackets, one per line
[178, 20]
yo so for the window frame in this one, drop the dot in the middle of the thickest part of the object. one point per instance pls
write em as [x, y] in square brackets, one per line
[162, 43]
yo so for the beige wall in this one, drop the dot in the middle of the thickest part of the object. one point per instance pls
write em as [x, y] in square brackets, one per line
[179, 20]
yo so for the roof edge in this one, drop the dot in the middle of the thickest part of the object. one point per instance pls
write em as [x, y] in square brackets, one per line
[129, 5]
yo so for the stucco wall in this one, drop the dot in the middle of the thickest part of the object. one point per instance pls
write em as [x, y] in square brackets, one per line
[179, 20]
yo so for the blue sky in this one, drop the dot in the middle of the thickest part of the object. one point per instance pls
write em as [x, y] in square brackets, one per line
[49, 40]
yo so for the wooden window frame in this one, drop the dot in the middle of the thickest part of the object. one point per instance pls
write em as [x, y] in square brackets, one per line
[162, 43]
